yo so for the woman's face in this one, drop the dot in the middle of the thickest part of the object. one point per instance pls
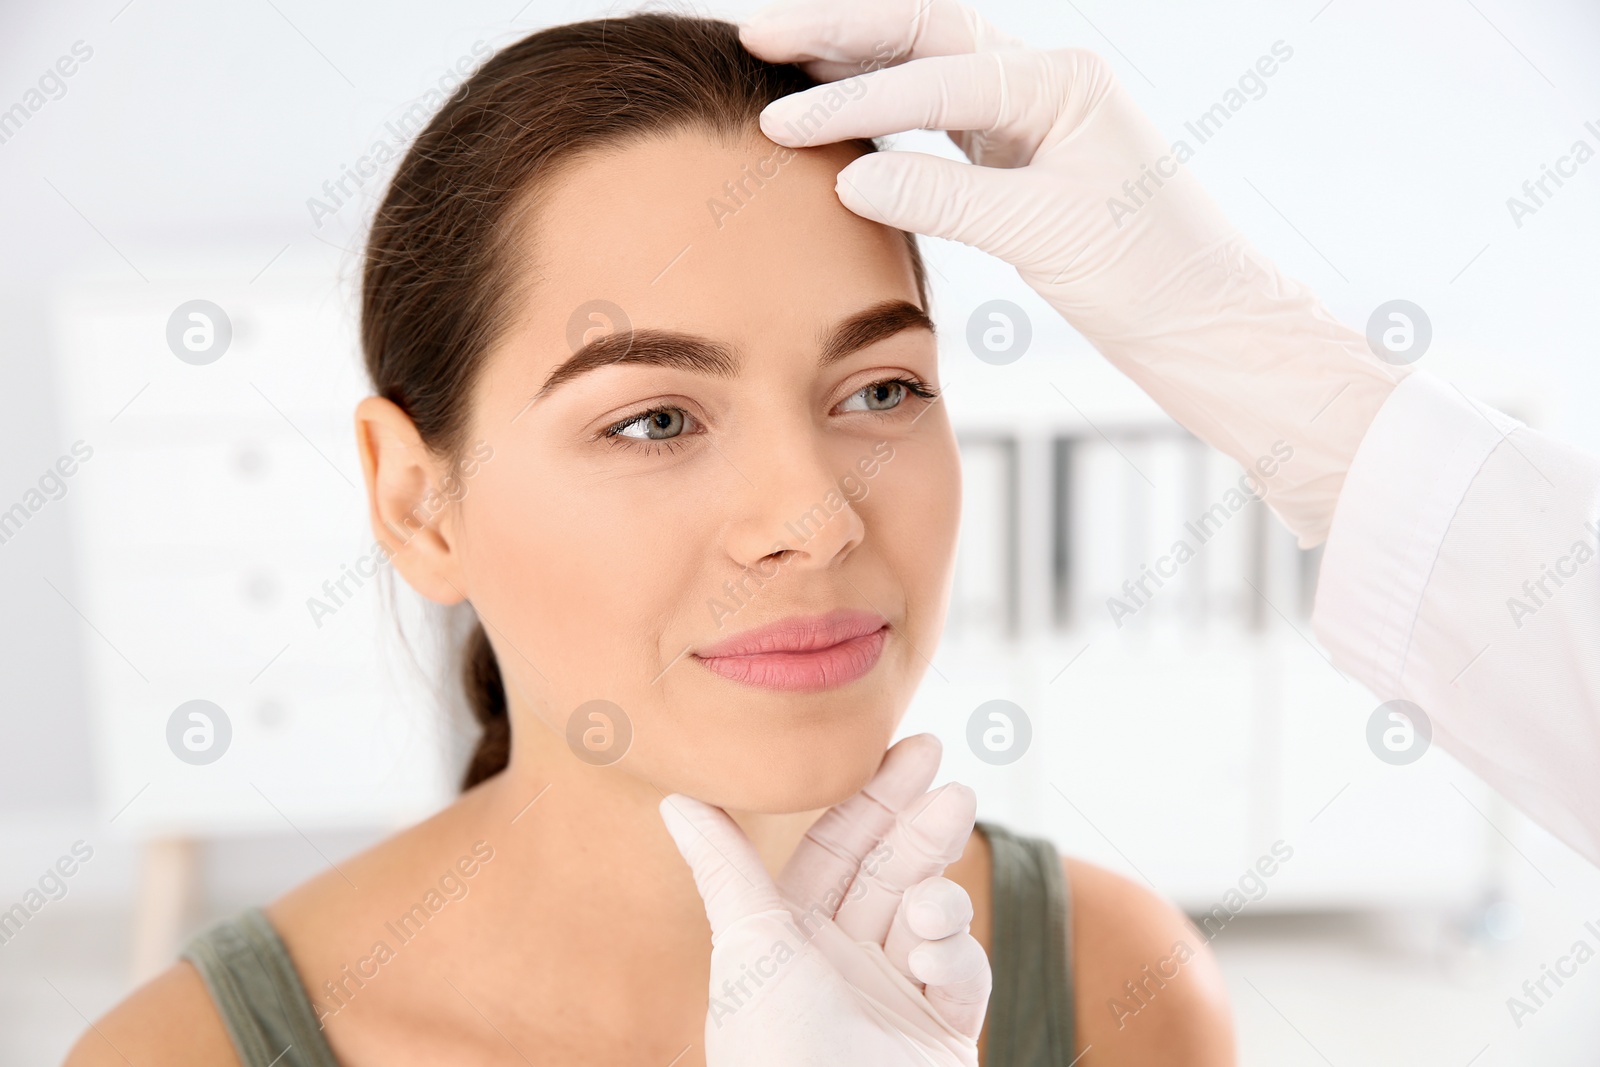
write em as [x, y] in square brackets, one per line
[743, 448]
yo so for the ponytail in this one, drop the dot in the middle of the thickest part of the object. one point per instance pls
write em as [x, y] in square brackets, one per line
[486, 696]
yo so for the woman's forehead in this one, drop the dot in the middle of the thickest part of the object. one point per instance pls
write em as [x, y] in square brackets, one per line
[687, 231]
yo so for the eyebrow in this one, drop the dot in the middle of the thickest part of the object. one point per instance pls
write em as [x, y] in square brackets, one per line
[693, 352]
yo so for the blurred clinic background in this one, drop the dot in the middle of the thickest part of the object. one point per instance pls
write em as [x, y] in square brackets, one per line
[231, 154]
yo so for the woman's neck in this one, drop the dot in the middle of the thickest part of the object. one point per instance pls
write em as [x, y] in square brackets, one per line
[585, 864]
[593, 840]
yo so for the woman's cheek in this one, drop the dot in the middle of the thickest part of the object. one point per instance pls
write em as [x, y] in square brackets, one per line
[919, 497]
[624, 562]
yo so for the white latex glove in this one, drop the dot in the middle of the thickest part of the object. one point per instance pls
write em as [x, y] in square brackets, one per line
[1172, 294]
[859, 953]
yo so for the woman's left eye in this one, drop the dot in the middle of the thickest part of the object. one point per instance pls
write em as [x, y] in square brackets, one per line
[885, 395]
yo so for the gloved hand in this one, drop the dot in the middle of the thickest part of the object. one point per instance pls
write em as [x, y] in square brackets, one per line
[859, 953]
[1079, 191]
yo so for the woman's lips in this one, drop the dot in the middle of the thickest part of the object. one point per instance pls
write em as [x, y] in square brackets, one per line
[802, 653]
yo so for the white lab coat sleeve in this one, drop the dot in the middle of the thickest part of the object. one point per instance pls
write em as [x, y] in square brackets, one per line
[1462, 573]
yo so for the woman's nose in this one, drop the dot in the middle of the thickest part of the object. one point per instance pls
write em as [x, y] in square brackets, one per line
[798, 510]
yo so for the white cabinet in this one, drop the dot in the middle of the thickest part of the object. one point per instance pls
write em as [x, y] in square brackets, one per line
[220, 500]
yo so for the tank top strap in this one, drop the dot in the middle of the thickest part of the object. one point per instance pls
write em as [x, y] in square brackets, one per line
[258, 993]
[1031, 1019]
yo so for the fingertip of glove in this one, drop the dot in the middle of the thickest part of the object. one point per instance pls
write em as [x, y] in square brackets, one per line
[765, 33]
[918, 750]
[926, 915]
[923, 740]
[942, 812]
[750, 34]
[677, 811]
[906, 771]
[776, 124]
[958, 799]
[859, 190]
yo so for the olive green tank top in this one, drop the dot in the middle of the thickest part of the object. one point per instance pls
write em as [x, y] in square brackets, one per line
[1030, 1023]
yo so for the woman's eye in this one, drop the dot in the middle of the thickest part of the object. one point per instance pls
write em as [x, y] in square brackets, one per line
[658, 425]
[879, 396]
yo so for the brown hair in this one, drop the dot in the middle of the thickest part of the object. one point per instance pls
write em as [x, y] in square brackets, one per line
[440, 272]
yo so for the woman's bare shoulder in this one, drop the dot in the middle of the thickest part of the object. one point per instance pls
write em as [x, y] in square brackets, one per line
[1147, 986]
[169, 1020]
[327, 909]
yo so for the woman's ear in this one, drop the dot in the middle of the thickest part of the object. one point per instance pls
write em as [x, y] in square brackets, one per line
[409, 513]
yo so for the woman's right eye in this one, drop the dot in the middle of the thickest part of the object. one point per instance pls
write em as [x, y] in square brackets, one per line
[659, 424]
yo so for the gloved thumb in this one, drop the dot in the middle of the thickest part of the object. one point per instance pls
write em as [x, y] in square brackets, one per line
[928, 194]
[728, 872]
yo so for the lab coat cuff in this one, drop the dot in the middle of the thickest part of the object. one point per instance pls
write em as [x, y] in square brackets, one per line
[1407, 480]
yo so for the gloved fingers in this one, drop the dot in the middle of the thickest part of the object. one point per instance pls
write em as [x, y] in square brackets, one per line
[925, 838]
[837, 38]
[957, 979]
[978, 206]
[727, 870]
[1015, 95]
[933, 909]
[825, 862]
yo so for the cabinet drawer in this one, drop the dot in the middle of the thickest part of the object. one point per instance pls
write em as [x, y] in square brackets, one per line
[248, 489]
